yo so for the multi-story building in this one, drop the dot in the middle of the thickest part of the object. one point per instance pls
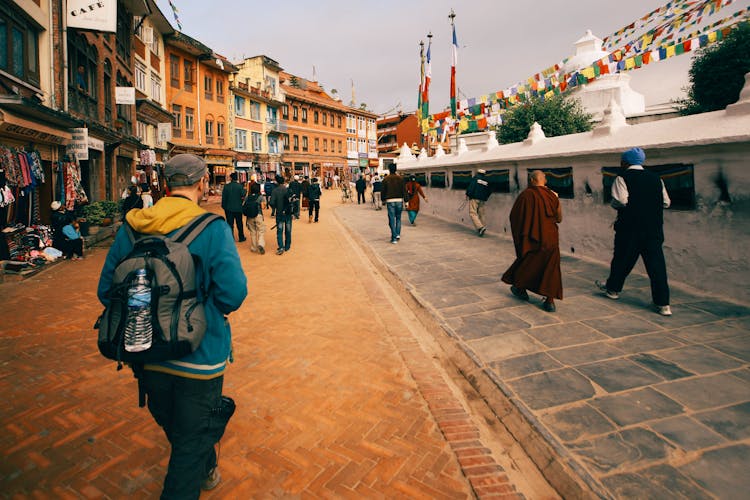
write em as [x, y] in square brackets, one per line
[361, 142]
[152, 117]
[198, 97]
[258, 128]
[396, 130]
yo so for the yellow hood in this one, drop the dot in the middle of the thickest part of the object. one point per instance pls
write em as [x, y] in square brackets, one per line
[165, 216]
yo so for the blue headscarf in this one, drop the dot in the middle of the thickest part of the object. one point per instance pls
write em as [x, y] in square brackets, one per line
[634, 156]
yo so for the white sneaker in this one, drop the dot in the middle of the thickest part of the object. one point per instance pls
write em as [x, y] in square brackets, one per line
[609, 293]
[664, 310]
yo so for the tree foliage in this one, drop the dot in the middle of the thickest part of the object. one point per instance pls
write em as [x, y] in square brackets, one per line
[557, 116]
[717, 74]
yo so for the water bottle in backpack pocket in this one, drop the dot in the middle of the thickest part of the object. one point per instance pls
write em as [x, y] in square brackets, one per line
[138, 327]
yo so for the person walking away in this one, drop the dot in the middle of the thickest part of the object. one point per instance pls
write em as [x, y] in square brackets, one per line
[231, 201]
[296, 187]
[393, 193]
[639, 196]
[74, 242]
[253, 212]
[377, 188]
[268, 188]
[184, 396]
[413, 192]
[360, 186]
[314, 194]
[133, 200]
[284, 215]
[533, 223]
[148, 200]
[478, 192]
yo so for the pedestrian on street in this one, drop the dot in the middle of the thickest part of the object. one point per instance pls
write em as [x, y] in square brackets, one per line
[184, 396]
[393, 193]
[360, 186]
[148, 200]
[314, 194]
[133, 200]
[413, 192]
[478, 193]
[74, 241]
[268, 188]
[296, 187]
[377, 188]
[232, 197]
[639, 196]
[253, 212]
[533, 223]
[305, 196]
[284, 216]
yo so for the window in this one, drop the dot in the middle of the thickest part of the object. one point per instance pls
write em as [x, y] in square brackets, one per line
[339, 120]
[317, 144]
[304, 143]
[286, 143]
[177, 120]
[296, 143]
[340, 147]
[142, 131]
[208, 87]
[140, 76]
[155, 87]
[257, 142]
[155, 45]
[325, 118]
[240, 137]
[325, 144]
[174, 71]
[188, 75]
[82, 69]
[220, 132]
[295, 113]
[254, 110]
[124, 111]
[316, 117]
[219, 91]
[285, 112]
[437, 180]
[304, 115]
[189, 123]
[271, 115]
[107, 91]
[461, 179]
[122, 37]
[19, 48]
[209, 131]
[273, 145]
[239, 106]
[332, 123]
[499, 180]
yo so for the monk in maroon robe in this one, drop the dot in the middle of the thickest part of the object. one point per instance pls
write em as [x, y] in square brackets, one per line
[533, 222]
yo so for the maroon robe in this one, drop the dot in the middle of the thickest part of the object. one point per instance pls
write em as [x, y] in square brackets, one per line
[533, 222]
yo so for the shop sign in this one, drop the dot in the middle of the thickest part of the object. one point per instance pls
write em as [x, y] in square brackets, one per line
[79, 143]
[95, 144]
[244, 164]
[96, 15]
[363, 162]
[30, 133]
[125, 95]
[164, 132]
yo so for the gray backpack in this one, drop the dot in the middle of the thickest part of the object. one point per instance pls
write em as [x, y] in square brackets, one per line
[177, 318]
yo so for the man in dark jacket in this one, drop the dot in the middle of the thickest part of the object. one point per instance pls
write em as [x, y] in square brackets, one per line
[268, 188]
[284, 215]
[478, 193]
[296, 187]
[360, 186]
[640, 199]
[314, 193]
[232, 197]
[393, 196]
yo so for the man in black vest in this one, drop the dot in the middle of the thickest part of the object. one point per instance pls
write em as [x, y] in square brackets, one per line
[640, 199]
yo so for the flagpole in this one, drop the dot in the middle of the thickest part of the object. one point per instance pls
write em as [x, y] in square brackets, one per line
[421, 87]
[454, 60]
[426, 96]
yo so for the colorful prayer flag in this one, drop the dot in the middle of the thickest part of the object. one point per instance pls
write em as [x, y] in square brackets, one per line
[454, 61]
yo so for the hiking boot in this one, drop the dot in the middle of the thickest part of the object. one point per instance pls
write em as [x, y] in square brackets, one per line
[482, 230]
[549, 306]
[609, 293]
[664, 310]
[280, 251]
[520, 293]
[261, 250]
[212, 480]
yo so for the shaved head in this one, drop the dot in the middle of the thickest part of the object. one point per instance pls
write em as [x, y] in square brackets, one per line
[538, 178]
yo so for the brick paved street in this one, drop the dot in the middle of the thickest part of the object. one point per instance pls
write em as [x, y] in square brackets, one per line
[340, 390]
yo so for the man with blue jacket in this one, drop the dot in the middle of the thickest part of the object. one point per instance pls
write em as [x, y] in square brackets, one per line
[184, 395]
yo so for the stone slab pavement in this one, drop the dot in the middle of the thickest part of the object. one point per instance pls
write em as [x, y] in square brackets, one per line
[340, 391]
[605, 395]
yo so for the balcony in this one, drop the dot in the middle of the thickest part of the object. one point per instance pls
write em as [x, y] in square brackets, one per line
[276, 126]
[82, 103]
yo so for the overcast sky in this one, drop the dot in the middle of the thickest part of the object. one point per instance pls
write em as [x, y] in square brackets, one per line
[376, 43]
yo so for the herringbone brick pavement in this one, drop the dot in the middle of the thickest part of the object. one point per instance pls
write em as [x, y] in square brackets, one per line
[336, 399]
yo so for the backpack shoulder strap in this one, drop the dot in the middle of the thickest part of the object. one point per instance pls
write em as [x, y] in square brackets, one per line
[192, 229]
[132, 236]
